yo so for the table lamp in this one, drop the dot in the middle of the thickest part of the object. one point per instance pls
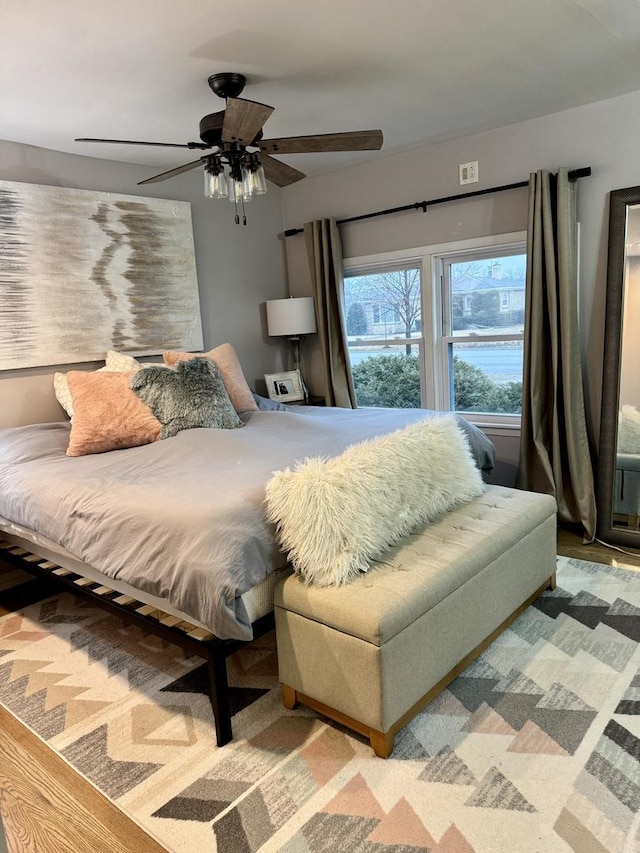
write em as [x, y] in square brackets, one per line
[292, 318]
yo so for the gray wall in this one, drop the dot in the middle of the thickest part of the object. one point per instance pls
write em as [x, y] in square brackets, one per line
[238, 267]
[603, 135]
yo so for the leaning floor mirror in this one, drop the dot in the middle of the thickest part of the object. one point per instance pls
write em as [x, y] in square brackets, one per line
[619, 452]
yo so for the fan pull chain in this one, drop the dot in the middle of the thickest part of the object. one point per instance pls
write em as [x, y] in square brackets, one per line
[244, 215]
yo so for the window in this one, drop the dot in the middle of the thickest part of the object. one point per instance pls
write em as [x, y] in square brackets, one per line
[442, 329]
[385, 341]
[482, 346]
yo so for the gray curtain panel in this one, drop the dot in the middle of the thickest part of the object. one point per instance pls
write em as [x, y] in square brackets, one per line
[324, 251]
[555, 457]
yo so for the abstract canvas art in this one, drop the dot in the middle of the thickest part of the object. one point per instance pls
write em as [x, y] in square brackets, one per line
[82, 272]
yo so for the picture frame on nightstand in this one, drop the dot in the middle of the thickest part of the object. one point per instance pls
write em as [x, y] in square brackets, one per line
[285, 387]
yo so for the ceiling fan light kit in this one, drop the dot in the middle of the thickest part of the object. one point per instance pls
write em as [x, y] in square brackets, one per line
[235, 172]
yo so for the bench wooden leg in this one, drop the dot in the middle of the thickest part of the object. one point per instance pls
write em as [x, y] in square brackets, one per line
[552, 582]
[289, 698]
[381, 743]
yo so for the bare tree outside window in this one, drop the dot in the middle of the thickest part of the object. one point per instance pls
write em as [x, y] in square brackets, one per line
[470, 269]
[396, 295]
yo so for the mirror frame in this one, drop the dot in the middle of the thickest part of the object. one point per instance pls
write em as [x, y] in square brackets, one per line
[619, 203]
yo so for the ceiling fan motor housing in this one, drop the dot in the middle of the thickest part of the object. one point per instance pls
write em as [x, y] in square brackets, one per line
[211, 128]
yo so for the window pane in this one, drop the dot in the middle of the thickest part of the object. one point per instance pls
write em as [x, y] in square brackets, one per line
[487, 296]
[487, 377]
[383, 306]
[386, 376]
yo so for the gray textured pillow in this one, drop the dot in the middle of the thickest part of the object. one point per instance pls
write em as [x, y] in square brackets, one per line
[191, 395]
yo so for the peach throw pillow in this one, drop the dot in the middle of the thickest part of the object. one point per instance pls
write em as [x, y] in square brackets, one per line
[230, 370]
[108, 415]
[115, 361]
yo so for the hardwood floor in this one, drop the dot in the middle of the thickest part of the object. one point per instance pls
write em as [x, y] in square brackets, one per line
[570, 545]
[48, 808]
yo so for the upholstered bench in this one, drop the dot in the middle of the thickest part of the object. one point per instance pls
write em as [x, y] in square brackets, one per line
[374, 652]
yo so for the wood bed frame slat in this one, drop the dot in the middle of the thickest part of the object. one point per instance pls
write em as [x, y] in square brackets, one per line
[32, 558]
[124, 599]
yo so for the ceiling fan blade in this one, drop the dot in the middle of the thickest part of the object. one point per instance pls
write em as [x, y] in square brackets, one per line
[177, 171]
[354, 140]
[200, 145]
[243, 120]
[279, 173]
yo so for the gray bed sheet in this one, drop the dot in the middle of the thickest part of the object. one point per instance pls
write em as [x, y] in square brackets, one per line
[183, 518]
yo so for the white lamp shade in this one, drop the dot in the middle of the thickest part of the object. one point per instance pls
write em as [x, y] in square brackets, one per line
[295, 316]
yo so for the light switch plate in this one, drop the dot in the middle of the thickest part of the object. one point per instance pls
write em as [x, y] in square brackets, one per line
[469, 173]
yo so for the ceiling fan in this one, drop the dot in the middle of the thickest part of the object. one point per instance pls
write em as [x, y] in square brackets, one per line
[240, 160]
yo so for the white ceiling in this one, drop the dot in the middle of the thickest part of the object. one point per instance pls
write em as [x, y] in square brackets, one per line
[421, 70]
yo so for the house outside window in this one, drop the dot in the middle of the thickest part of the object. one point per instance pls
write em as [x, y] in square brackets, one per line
[440, 328]
[383, 314]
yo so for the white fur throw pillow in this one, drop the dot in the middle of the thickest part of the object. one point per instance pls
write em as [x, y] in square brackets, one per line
[334, 515]
[629, 430]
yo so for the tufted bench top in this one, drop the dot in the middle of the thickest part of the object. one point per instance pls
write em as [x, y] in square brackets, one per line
[416, 575]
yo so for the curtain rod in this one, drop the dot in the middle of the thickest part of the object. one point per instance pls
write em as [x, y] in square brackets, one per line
[574, 174]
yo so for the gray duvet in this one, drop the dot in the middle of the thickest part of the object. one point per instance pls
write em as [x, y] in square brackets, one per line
[181, 518]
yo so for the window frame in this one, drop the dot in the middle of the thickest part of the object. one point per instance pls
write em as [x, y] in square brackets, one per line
[433, 344]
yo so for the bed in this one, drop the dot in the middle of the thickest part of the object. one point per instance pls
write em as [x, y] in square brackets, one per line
[174, 532]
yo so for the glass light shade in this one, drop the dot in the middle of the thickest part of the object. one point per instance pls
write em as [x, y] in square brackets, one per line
[258, 181]
[208, 184]
[236, 191]
[291, 317]
[247, 187]
[215, 185]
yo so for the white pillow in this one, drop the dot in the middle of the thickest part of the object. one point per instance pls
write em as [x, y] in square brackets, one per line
[334, 515]
[629, 430]
[116, 362]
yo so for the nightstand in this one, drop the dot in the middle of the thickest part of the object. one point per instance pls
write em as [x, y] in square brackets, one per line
[314, 400]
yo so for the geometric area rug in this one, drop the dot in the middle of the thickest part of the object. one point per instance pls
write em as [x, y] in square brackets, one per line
[535, 748]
